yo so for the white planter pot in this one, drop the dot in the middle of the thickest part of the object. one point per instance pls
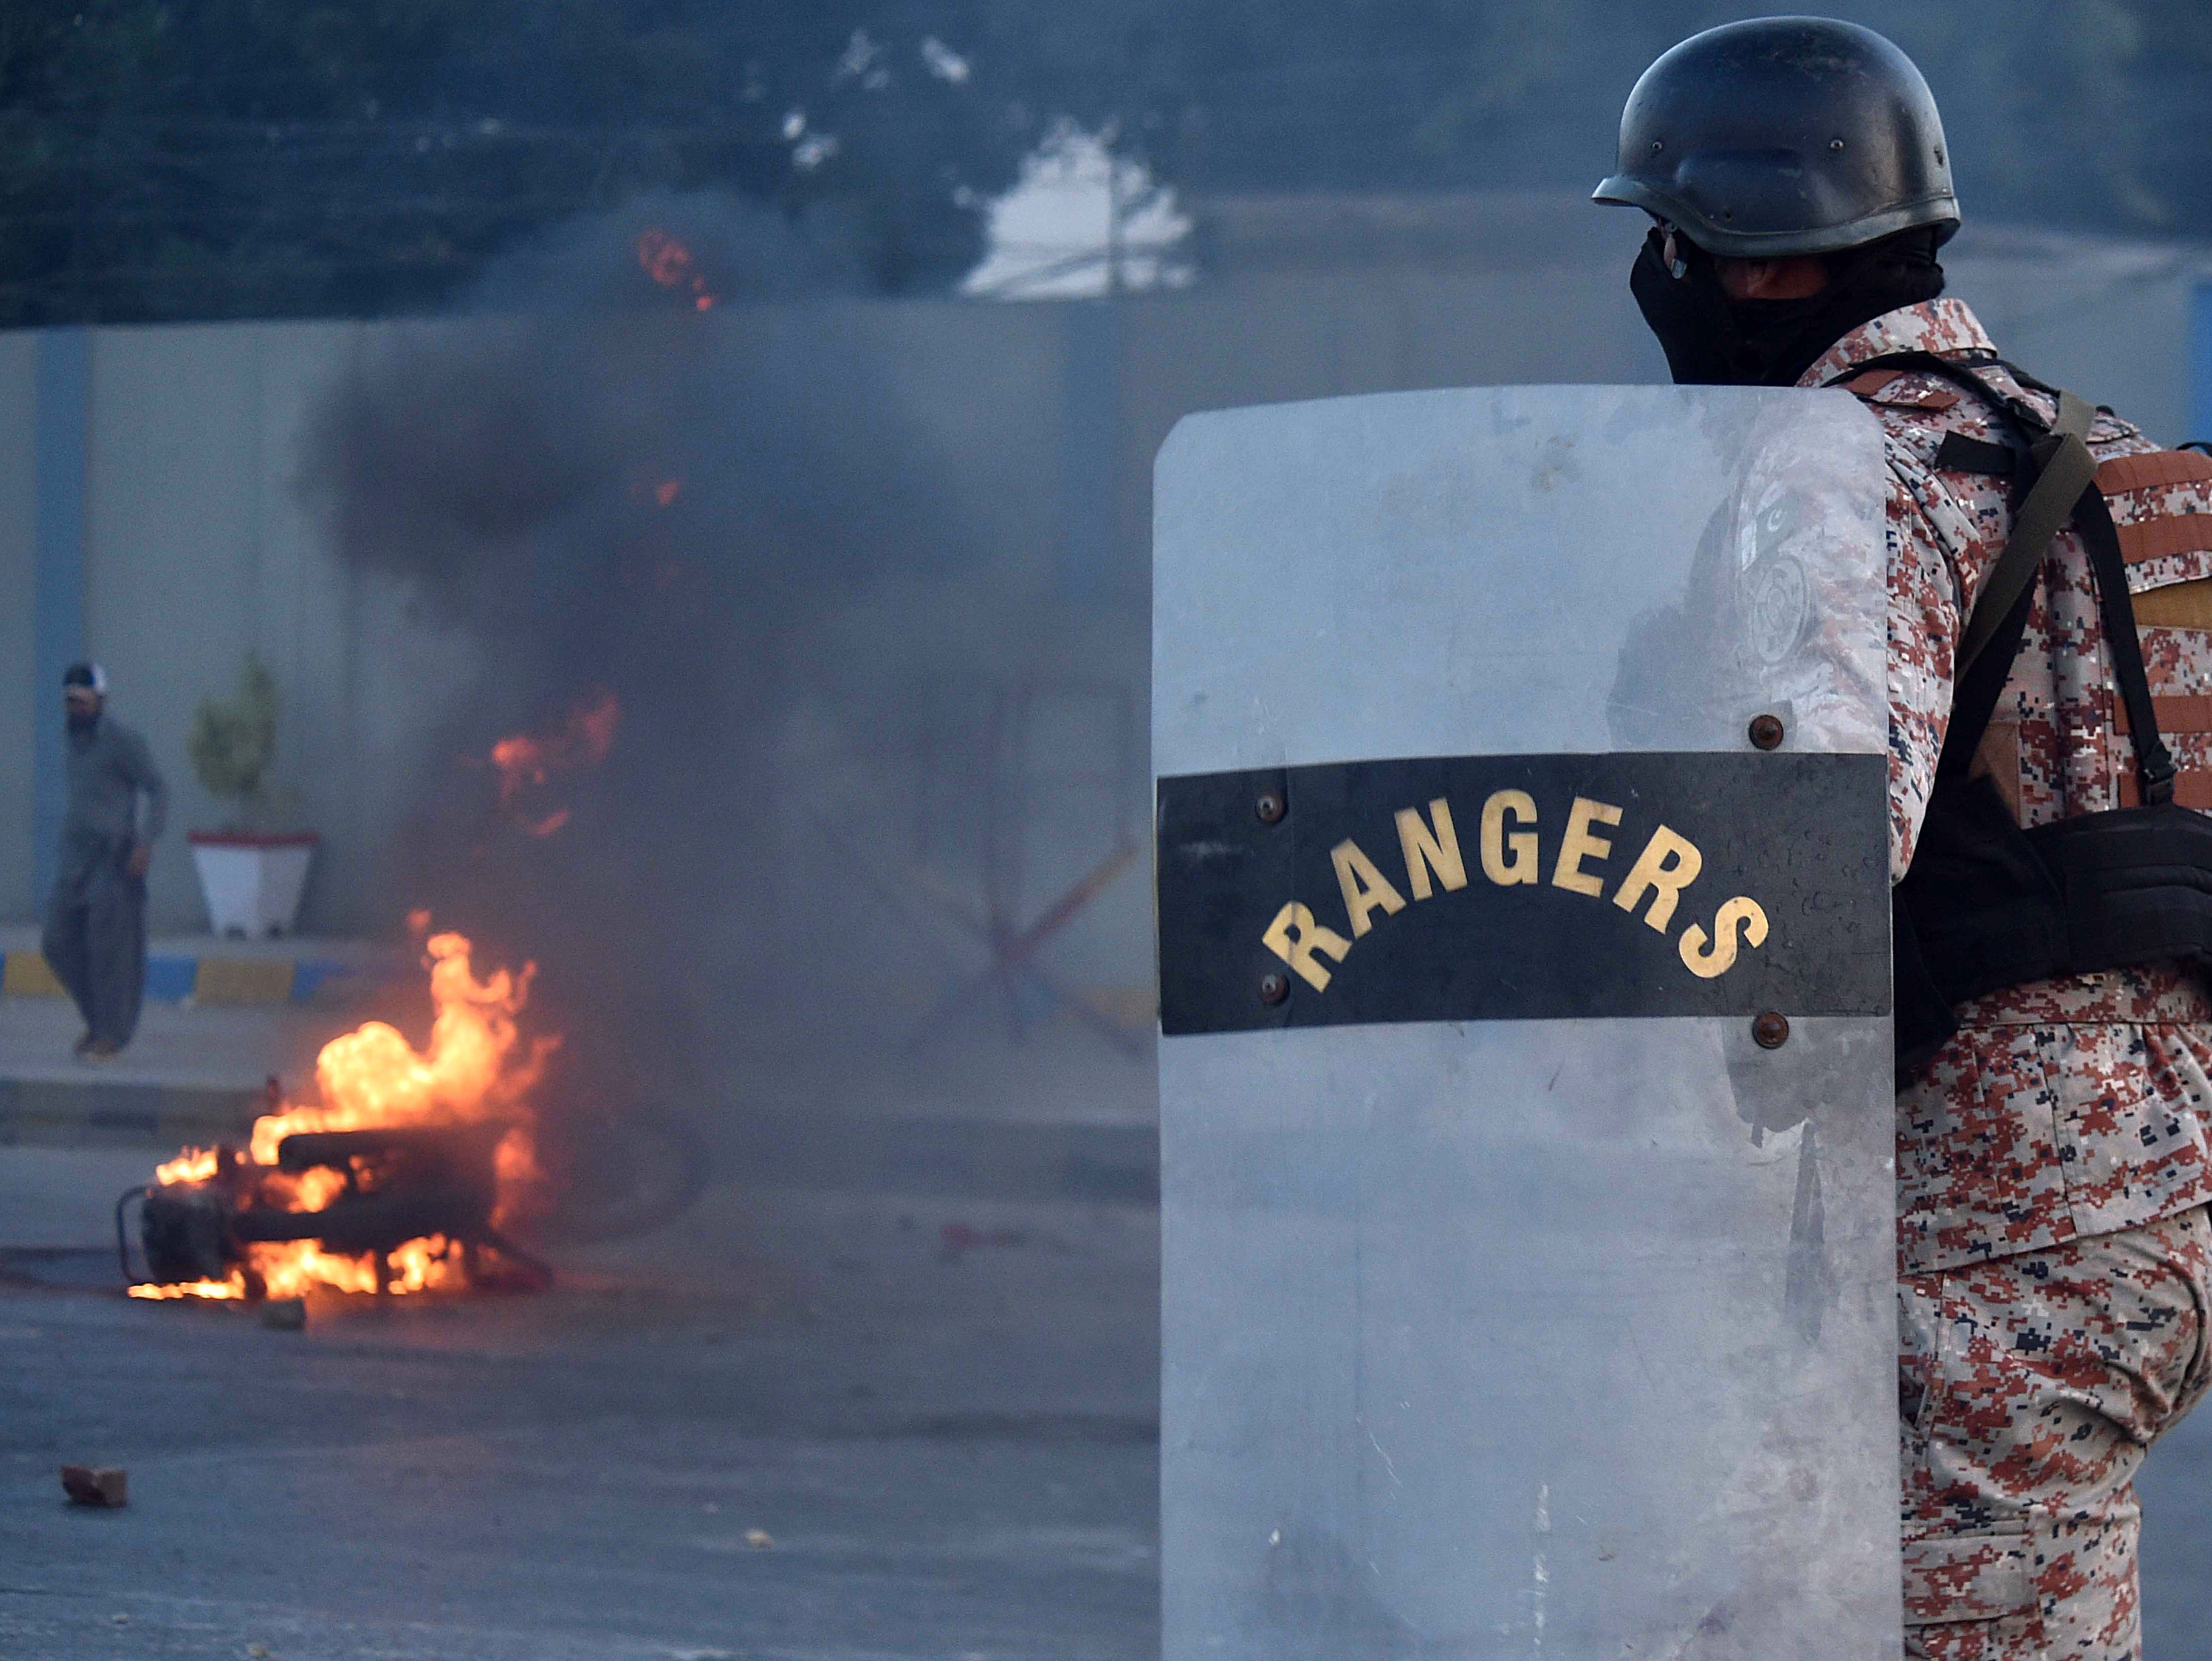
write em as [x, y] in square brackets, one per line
[253, 884]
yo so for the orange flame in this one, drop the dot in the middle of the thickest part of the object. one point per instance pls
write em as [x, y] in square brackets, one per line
[193, 1164]
[649, 484]
[478, 1070]
[232, 1287]
[670, 264]
[531, 761]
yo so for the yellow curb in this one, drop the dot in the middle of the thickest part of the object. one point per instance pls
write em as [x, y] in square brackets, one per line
[242, 980]
[26, 974]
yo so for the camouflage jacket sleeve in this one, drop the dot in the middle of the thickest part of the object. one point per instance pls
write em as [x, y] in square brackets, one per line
[1937, 564]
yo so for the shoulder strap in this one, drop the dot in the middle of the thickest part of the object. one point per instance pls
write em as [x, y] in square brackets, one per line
[2064, 484]
[2154, 768]
[2063, 469]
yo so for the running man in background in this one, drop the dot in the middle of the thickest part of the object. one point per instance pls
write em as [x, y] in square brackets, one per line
[96, 931]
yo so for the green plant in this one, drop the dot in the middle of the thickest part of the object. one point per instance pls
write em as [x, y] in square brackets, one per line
[233, 741]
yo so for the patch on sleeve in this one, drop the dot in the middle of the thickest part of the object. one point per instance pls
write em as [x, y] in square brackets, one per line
[1881, 386]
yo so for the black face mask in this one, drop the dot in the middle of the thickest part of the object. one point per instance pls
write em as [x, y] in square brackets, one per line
[1713, 341]
[83, 725]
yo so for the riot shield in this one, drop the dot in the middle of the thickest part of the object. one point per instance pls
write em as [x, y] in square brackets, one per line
[1525, 1064]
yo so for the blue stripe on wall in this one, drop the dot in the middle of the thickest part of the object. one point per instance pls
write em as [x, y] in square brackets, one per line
[1090, 411]
[171, 979]
[64, 390]
[2200, 362]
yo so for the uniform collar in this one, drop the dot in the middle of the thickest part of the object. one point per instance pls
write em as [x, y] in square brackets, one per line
[1946, 327]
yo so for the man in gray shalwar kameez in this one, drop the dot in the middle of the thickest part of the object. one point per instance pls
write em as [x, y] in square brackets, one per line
[96, 931]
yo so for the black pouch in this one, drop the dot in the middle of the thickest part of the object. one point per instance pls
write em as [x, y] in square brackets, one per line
[2137, 883]
[1979, 910]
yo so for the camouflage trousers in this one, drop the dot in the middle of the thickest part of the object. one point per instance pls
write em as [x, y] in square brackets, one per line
[2030, 1387]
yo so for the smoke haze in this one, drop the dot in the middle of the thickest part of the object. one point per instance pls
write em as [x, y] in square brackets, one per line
[625, 481]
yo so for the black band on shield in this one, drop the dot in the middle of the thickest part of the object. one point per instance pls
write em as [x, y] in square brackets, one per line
[1523, 888]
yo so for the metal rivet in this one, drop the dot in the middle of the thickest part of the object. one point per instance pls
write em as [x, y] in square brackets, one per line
[1771, 1031]
[1835, 144]
[1766, 732]
[1657, 145]
[1274, 988]
[1269, 808]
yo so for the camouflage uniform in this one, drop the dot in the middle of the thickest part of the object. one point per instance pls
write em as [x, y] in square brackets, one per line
[2054, 1256]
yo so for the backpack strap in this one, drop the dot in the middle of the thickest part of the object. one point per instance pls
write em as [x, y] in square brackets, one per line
[2064, 471]
[2062, 475]
[2154, 767]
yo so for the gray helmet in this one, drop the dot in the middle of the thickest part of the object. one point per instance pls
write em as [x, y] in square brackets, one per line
[1784, 136]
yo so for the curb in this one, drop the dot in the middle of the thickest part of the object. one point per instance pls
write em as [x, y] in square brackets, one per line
[106, 1114]
[171, 979]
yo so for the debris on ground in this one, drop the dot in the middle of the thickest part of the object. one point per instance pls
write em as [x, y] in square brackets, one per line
[958, 1237]
[759, 1539]
[105, 1486]
[285, 1314]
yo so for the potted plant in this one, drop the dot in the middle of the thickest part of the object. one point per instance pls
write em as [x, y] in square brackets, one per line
[251, 876]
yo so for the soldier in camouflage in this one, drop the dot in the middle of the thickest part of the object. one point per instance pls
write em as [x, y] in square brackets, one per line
[2055, 1258]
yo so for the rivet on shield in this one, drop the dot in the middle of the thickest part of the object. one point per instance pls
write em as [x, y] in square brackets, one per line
[1274, 988]
[1269, 807]
[1770, 1031]
[1766, 732]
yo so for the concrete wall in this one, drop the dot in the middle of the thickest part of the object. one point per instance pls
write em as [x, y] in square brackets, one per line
[196, 547]
[196, 551]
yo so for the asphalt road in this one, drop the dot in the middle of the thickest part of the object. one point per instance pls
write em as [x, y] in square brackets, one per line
[810, 1426]
[2176, 1487]
[792, 1428]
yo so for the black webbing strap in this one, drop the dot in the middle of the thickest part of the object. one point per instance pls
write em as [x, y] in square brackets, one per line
[2154, 768]
[2064, 484]
[1959, 454]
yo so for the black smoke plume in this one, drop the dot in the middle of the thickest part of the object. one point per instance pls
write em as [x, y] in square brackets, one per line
[623, 475]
